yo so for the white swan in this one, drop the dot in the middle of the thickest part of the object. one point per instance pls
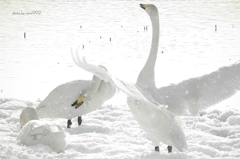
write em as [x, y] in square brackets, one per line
[160, 124]
[58, 103]
[35, 131]
[193, 94]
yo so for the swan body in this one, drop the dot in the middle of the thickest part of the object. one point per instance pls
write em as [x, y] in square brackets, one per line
[160, 124]
[58, 103]
[193, 94]
[35, 131]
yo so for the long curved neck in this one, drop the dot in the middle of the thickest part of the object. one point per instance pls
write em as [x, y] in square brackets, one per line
[95, 84]
[146, 77]
[92, 90]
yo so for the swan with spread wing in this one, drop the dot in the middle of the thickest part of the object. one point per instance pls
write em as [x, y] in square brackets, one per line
[193, 94]
[160, 124]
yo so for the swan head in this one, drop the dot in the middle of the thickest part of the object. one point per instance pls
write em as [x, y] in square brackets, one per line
[88, 93]
[81, 99]
[85, 97]
[150, 9]
[28, 114]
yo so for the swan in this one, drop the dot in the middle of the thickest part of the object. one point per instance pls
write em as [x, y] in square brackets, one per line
[35, 131]
[160, 124]
[193, 94]
[57, 103]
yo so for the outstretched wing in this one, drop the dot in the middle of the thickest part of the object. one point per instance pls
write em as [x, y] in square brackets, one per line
[82, 63]
[100, 72]
[206, 90]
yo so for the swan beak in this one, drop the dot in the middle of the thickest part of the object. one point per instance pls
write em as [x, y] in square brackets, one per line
[144, 6]
[78, 102]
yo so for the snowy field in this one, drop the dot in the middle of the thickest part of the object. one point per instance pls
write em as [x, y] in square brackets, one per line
[111, 33]
[112, 132]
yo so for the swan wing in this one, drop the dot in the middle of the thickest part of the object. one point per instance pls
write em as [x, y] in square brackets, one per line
[128, 88]
[205, 91]
[159, 123]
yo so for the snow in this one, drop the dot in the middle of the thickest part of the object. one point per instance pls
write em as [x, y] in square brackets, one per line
[112, 132]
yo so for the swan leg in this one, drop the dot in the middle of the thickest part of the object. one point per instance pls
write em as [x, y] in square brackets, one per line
[69, 123]
[79, 120]
[156, 148]
[169, 149]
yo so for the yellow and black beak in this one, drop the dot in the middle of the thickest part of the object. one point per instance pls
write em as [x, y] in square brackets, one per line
[144, 6]
[78, 102]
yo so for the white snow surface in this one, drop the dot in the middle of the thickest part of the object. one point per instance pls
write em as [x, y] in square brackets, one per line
[112, 132]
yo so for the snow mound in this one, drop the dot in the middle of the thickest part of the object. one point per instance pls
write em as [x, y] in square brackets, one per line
[217, 133]
[234, 120]
[226, 114]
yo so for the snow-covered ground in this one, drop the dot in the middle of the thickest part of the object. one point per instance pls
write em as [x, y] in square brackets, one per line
[112, 132]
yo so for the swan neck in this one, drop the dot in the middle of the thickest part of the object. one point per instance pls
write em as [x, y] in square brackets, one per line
[155, 42]
[146, 77]
[95, 84]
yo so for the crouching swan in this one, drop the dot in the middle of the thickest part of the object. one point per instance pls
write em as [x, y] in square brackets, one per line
[35, 131]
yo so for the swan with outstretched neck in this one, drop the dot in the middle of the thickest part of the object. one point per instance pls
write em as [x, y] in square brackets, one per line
[160, 124]
[193, 94]
[146, 78]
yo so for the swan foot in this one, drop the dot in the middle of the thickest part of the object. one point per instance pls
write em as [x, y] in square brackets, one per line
[69, 123]
[156, 148]
[79, 120]
[169, 149]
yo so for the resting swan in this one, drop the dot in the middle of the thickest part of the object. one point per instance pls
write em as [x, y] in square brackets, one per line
[35, 131]
[160, 124]
[58, 103]
[193, 94]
